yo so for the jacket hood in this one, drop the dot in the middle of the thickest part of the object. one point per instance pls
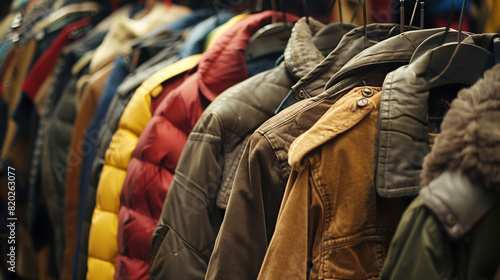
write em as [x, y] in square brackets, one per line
[223, 61]
[403, 140]
[469, 141]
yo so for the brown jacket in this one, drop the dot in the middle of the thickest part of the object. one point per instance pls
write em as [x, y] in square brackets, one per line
[264, 170]
[331, 224]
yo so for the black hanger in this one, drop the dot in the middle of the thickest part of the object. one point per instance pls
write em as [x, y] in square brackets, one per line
[271, 38]
[328, 37]
[458, 62]
[436, 40]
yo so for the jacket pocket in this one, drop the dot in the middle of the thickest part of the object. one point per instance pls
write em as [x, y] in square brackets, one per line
[357, 256]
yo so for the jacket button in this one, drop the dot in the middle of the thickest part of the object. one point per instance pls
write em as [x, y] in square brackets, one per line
[39, 35]
[367, 92]
[17, 21]
[450, 220]
[362, 102]
[15, 38]
[302, 94]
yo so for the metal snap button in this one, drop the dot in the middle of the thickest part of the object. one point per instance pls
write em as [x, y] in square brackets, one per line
[302, 94]
[367, 92]
[16, 22]
[450, 220]
[14, 37]
[40, 35]
[362, 102]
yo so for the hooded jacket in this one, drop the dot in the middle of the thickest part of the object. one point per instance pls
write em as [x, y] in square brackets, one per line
[217, 140]
[451, 229]
[264, 170]
[155, 158]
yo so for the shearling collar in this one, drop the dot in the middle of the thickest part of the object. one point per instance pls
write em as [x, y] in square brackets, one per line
[301, 55]
[403, 140]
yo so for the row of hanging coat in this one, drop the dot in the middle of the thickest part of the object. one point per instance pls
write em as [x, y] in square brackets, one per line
[170, 143]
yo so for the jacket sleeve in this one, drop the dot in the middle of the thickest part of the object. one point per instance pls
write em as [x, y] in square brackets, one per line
[184, 238]
[290, 242]
[250, 215]
[420, 248]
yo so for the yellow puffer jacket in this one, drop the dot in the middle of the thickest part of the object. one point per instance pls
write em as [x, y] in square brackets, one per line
[103, 246]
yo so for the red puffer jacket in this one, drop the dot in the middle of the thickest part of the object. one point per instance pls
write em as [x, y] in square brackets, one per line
[155, 157]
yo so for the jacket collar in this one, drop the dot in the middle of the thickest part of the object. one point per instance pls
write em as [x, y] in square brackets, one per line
[404, 133]
[392, 51]
[350, 45]
[457, 201]
[368, 67]
[342, 116]
[225, 60]
[301, 55]
[397, 49]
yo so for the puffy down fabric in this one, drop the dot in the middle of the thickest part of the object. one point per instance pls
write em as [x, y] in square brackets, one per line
[103, 230]
[154, 160]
